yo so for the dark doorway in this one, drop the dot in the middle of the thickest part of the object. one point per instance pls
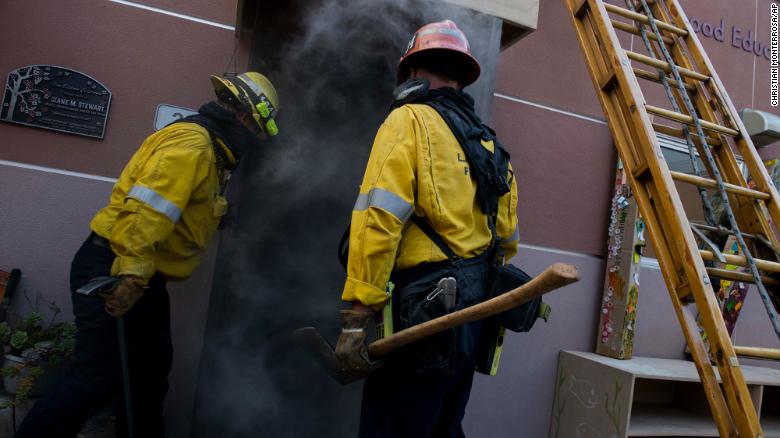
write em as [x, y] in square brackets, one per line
[333, 63]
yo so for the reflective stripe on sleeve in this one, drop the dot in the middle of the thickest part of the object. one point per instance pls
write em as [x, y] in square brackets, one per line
[386, 200]
[156, 201]
[513, 237]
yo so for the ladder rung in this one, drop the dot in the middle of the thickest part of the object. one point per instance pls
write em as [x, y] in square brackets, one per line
[650, 76]
[663, 65]
[641, 170]
[688, 120]
[638, 3]
[609, 82]
[741, 276]
[678, 133]
[625, 27]
[738, 260]
[763, 353]
[684, 290]
[643, 19]
[723, 231]
[731, 188]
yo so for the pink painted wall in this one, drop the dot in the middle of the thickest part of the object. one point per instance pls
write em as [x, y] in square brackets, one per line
[144, 58]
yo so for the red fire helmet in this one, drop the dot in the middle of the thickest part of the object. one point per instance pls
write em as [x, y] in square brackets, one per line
[441, 35]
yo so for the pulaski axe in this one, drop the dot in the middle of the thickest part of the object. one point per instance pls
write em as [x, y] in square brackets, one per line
[555, 276]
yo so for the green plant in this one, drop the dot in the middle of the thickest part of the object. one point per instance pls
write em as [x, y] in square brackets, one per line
[39, 346]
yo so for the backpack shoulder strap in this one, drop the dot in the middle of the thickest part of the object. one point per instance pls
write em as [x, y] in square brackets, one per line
[435, 237]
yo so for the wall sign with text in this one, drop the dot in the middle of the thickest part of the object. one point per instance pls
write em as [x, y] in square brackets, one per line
[57, 98]
[744, 39]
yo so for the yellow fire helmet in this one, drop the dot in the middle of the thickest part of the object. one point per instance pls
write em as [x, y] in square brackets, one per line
[252, 91]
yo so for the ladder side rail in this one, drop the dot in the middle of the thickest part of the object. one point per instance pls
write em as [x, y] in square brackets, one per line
[674, 13]
[724, 155]
[647, 142]
[749, 154]
[720, 409]
[619, 116]
[600, 71]
[681, 58]
[735, 227]
[750, 212]
[681, 93]
[734, 386]
[708, 213]
[666, 202]
[647, 146]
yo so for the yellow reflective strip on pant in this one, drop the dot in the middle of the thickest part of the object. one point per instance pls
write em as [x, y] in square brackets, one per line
[513, 237]
[156, 201]
[386, 200]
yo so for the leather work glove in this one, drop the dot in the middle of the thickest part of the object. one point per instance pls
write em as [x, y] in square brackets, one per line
[122, 298]
[351, 349]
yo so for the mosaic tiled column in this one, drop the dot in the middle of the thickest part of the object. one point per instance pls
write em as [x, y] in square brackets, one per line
[621, 285]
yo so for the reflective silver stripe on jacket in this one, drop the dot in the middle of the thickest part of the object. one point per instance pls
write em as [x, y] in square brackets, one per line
[515, 236]
[156, 201]
[386, 200]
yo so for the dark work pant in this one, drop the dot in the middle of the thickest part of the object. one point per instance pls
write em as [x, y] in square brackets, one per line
[95, 377]
[401, 404]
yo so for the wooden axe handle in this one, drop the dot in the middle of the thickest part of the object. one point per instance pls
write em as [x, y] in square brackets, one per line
[557, 275]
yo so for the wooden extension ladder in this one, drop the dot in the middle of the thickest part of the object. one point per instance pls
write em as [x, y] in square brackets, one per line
[704, 117]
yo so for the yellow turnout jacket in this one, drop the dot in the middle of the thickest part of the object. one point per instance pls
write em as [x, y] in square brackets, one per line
[166, 205]
[417, 167]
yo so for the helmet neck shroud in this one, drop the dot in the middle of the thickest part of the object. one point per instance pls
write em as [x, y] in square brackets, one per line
[223, 126]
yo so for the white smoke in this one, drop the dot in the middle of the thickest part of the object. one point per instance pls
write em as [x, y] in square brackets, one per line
[278, 268]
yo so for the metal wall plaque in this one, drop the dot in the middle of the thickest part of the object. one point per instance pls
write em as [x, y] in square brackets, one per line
[57, 98]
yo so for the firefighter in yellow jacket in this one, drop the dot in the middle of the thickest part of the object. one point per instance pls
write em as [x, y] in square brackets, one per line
[438, 192]
[161, 216]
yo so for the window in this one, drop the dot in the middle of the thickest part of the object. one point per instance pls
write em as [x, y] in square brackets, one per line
[677, 158]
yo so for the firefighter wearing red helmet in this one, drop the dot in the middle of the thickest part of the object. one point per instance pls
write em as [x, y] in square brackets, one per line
[161, 215]
[442, 39]
[437, 206]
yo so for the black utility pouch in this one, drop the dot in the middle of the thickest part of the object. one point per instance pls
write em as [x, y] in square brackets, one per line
[522, 318]
[418, 303]
[450, 350]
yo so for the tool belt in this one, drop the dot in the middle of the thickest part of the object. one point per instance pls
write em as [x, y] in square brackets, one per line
[416, 300]
[478, 279]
